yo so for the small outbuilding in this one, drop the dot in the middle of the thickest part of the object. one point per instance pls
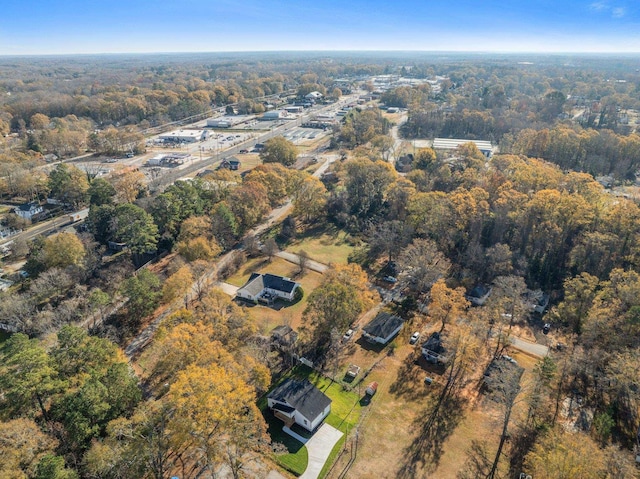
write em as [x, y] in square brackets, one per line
[383, 328]
[232, 163]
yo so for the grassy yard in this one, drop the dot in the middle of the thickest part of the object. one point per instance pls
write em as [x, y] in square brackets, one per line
[325, 244]
[268, 318]
[345, 413]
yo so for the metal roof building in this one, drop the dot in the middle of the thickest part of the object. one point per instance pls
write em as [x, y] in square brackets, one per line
[451, 144]
[186, 136]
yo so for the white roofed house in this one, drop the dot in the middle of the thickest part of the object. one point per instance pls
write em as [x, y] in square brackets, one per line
[314, 95]
[450, 144]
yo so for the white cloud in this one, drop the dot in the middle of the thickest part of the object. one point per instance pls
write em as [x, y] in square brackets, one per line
[599, 6]
[618, 12]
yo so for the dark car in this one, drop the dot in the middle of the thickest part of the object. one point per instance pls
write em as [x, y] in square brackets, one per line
[244, 151]
[546, 328]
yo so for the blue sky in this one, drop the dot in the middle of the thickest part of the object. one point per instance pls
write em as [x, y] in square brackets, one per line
[137, 26]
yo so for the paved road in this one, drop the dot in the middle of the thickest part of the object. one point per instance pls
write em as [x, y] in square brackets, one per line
[534, 349]
[46, 227]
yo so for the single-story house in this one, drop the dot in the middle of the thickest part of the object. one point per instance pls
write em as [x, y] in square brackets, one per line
[299, 402]
[265, 288]
[28, 210]
[479, 295]
[433, 350]
[382, 328]
[231, 163]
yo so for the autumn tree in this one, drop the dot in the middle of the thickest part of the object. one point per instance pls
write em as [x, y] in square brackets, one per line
[337, 302]
[177, 285]
[446, 303]
[128, 183]
[22, 445]
[279, 150]
[68, 184]
[310, 199]
[564, 455]
[214, 406]
[62, 250]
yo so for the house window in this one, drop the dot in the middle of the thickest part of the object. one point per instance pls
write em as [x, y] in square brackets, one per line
[306, 422]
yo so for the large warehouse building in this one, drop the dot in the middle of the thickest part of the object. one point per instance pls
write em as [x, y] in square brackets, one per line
[485, 147]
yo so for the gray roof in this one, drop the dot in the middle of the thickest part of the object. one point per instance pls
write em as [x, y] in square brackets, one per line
[383, 325]
[434, 344]
[258, 282]
[307, 399]
[28, 206]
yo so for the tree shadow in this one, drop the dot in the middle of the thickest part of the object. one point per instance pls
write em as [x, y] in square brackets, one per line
[433, 427]
[415, 366]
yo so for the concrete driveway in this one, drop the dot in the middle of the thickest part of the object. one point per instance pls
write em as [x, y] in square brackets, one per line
[318, 447]
[534, 349]
[230, 289]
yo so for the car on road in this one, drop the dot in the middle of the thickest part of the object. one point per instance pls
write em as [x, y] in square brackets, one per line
[414, 338]
[348, 335]
[243, 151]
[110, 160]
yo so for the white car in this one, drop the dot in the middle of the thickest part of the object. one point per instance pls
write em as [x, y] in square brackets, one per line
[414, 338]
[348, 335]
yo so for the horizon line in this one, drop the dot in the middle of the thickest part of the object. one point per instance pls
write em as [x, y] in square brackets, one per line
[476, 52]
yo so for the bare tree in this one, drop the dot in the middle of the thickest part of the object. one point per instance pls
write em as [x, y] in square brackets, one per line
[270, 248]
[303, 262]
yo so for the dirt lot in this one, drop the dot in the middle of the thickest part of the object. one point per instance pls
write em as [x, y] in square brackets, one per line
[392, 439]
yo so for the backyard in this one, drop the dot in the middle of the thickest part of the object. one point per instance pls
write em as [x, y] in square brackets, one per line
[268, 318]
[325, 244]
[345, 413]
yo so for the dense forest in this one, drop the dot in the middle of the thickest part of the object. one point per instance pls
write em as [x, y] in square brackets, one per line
[78, 398]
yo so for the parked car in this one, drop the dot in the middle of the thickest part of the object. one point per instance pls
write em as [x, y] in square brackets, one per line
[414, 338]
[390, 279]
[546, 328]
[348, 335]
[244, 151]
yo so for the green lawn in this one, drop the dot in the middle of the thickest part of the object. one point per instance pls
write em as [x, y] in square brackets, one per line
[345, 413]
[325, 244]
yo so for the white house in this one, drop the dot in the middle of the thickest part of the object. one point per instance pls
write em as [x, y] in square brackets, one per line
[265, 288]
[299, 402]
[314, 95]
[382, 328]
[28, 210]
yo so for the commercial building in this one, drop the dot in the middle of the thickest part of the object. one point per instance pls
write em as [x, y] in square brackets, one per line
[274, 115]
[444, 144]
[185, 136]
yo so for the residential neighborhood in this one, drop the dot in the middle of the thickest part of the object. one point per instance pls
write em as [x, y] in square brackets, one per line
[319, 266]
